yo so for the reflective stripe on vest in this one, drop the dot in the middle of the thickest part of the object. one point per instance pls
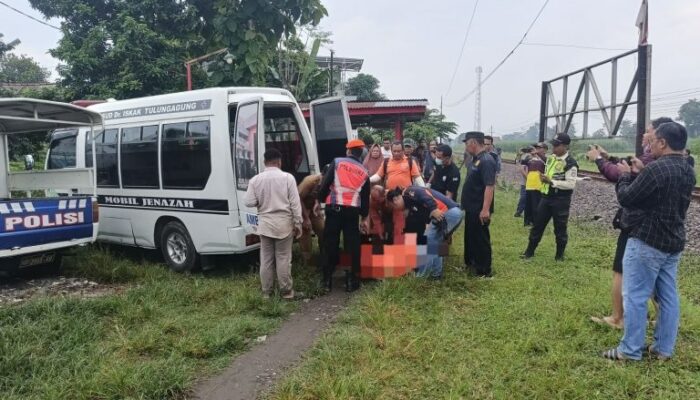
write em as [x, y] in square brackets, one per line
[440, 205]
[350, 176]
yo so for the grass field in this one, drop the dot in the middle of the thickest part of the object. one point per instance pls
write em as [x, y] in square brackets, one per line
[149, 342]
[524, 334]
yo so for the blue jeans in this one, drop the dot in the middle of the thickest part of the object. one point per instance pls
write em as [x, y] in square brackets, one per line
[435, 237]
[645, 270]
[521, 201]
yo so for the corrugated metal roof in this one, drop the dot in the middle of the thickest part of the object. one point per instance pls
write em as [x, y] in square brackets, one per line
[380, 104]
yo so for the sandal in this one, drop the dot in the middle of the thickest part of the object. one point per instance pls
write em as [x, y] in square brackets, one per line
[655, 355]
[614, 354]
[608, 321]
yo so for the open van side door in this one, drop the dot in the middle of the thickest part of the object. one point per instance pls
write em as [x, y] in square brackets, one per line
[247, 149]
[330, 128]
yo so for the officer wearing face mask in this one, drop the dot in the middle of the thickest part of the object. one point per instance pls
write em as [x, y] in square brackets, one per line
[446, 175]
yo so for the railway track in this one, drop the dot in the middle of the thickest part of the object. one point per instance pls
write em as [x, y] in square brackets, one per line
[599, 177]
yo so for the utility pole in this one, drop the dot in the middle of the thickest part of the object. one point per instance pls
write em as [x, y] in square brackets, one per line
[330, 86]
[477, 111]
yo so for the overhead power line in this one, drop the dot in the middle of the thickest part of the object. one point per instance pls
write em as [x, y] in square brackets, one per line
[461, 52]
[493, 71]
[573, 46]
[29, 16]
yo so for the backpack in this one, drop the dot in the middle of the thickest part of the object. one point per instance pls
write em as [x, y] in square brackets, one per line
[386, 165]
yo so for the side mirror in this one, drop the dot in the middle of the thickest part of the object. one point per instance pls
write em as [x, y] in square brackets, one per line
[29, 162]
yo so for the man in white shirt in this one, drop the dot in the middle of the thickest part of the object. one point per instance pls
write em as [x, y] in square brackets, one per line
[386, 149]
[275, 195]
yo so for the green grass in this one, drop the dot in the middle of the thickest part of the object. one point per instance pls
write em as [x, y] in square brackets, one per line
[151, 341]
[524, 334]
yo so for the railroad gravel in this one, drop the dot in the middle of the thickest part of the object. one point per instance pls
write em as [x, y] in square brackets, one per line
[18, 290]
[595, 202]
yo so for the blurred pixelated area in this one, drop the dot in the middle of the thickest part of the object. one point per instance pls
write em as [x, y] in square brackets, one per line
[392, 261]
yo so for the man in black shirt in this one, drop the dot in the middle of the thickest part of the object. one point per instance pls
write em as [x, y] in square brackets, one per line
[446, 176]
[654, 204]
[477, 198]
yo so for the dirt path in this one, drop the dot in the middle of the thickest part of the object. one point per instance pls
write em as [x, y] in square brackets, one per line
[257, 370]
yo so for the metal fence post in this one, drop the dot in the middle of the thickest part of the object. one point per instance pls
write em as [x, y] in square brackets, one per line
[643, 94]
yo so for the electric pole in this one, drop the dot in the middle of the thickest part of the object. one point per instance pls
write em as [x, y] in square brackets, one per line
[477, 111]
[330, 86]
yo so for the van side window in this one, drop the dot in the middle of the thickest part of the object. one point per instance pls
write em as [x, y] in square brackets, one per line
[282, 133]
[186, 159]
[106, 154]
[139, 157]
[244, 143]
[62, 152]
[88, 147]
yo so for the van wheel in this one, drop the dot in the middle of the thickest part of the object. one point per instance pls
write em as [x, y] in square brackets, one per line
[177, 247]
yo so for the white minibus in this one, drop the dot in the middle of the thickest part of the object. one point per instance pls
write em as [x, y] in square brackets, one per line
[172, 169]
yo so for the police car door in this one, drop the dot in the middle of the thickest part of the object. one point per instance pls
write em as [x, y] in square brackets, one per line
[330, 128]
[247, 149]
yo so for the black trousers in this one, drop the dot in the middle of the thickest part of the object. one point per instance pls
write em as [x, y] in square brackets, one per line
[532, 201]
[555, 208]
[477, 244]
[620, 251]
[345, 220]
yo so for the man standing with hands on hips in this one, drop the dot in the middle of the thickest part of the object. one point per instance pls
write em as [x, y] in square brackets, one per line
[558, 183]
[477, 197]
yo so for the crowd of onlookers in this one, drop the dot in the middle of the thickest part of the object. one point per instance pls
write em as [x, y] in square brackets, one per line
[377, 193]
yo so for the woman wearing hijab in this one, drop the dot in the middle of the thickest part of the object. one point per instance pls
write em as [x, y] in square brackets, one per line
[374, 160]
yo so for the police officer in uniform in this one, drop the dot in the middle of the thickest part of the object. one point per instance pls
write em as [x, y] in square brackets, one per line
[558, 183]
[345, 190]
[477, 200]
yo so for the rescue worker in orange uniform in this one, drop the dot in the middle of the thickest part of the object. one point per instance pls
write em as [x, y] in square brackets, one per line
[398, 171]
[345, 190]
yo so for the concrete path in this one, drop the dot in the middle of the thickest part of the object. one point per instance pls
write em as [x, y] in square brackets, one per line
[256, 371]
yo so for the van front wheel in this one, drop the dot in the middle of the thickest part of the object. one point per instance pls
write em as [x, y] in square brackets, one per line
[177, 247]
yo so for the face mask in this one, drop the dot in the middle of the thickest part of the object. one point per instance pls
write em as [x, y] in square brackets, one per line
[438, 161]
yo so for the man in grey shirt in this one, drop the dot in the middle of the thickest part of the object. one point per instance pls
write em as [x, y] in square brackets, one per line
[276, 197]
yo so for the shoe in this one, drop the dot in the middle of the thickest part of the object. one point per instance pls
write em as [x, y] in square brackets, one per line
[266, 296]
[560, 252]
[526, 255]
[518, 214]
[435, 278]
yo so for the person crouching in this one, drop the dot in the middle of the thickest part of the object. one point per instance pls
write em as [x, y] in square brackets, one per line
[429, 205]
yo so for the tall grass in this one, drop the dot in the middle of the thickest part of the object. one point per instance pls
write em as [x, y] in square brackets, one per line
[524, 334]
[151, 341]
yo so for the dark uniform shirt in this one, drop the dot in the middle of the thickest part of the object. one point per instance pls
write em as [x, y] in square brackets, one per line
[446, 179]
[421, 201]
[482, 173]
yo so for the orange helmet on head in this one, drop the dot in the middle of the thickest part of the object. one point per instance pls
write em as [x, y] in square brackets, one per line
[355, 143]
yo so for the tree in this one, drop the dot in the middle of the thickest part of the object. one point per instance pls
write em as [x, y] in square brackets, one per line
[600, 133]
[295, 69]
[627, 128]
[365, 87]
[22, 69]
[7, 47]
[134, 48]
[689, 113]
[432, 126]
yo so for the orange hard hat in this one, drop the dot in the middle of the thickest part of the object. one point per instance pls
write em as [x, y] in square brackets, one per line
[354, 143]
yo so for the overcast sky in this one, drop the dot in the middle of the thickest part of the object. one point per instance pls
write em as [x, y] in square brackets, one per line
[412, 47]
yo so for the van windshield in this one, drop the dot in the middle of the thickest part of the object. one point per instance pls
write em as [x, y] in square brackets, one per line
[62, 150]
